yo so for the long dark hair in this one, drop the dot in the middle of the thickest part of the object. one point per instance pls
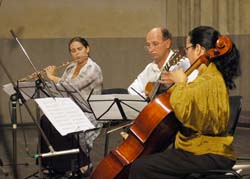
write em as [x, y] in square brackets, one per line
[228, 64]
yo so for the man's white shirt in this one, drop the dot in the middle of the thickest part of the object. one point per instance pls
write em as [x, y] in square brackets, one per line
[151, 73]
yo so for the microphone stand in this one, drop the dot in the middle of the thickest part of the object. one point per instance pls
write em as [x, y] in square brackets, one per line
[16, 97]
[40, 79]
[38, 86]
[20, 97]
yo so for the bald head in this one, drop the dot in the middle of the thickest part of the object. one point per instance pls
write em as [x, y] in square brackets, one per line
[161, 31]
[158, 43]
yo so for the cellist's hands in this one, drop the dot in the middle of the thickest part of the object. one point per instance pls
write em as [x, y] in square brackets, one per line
[169, 77]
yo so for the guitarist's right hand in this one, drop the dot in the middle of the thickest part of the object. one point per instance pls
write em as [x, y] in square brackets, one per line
[170, 77]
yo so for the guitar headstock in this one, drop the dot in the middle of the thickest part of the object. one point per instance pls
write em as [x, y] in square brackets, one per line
[176, 57]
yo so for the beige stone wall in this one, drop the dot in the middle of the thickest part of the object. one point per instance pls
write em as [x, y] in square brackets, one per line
[118, 18]
[115, 30]
[229, 16]
[67, 18]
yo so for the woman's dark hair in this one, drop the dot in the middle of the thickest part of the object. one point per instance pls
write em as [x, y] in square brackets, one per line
[228, 64]
[83, 41]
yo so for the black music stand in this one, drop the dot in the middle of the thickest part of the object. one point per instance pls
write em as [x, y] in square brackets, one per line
[20, 97]
[120, 108]
[59, 90]
[66, 117]
[65, 89]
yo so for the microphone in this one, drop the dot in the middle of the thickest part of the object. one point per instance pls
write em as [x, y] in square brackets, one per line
[13, 34]
[55, 153]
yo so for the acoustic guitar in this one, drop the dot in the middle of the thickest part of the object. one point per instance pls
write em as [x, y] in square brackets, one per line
[154, 88]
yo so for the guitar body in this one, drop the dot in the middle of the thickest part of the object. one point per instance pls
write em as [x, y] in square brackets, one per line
[154, 88]
[150, 89]
[156, 122]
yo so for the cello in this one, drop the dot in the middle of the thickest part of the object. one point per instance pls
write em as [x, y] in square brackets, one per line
[154, 123]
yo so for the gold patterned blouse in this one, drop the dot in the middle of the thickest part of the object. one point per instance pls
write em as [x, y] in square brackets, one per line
[203, 106]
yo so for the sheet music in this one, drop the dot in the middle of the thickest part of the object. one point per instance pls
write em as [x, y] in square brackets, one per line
[64, 89]
[26, 88]
[131, 105]
[65, 115]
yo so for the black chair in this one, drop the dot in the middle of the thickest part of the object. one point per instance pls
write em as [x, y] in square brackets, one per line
[117, 124]
[235, 109]
[115, 91]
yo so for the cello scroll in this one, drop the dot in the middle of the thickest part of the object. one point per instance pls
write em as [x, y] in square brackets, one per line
[223, 46]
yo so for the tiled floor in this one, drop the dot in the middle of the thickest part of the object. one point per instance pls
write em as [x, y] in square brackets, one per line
[26, 164]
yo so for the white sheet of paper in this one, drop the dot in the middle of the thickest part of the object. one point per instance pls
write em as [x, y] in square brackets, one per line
[101, 103]
[26, 88]
[65, 115]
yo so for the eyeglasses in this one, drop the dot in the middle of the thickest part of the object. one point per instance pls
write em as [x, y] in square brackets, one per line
[153, 45]
[186, 48]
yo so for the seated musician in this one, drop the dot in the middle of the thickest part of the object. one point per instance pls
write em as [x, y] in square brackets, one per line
[158, 45]
[202, 106]
[83, 74]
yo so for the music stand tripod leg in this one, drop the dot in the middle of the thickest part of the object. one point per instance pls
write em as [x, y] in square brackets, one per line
[75, 162]
[39, 160]
[39, 89]
[106, 146]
